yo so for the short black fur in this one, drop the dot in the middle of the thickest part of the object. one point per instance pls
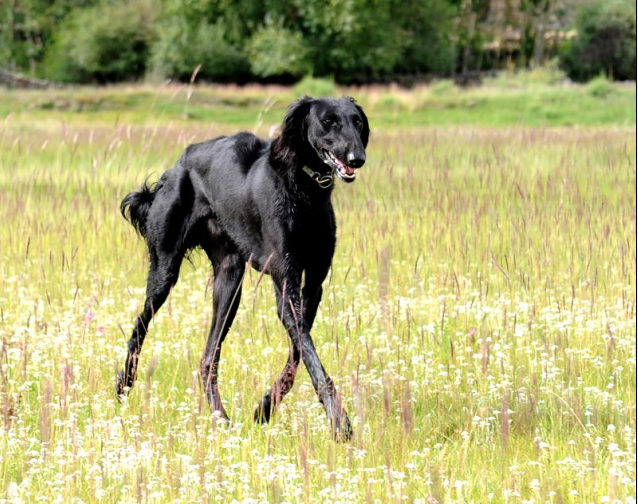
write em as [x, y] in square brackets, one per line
[247, 200]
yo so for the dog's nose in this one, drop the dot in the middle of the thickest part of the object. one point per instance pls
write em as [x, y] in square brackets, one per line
[356, 160]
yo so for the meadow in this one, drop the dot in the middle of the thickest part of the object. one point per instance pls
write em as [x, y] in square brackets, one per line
[479, 319]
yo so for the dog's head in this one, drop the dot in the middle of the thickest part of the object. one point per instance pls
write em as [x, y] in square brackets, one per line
[325, 134]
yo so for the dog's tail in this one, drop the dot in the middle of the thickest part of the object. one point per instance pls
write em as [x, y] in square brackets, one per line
[135, 207]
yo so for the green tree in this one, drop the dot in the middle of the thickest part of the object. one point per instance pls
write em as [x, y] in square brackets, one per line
[427, 27]
[27, 28]
[606, 41]
[184, 44]
[351, 39]
[275, 51]
[105, 43]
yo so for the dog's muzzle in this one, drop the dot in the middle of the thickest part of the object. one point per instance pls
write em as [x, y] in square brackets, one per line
[343, 171]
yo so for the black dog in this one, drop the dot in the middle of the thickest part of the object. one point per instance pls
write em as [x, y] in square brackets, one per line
[243, 199]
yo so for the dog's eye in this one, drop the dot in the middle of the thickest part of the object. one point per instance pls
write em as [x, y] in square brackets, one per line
[357, 122]
[328, 122]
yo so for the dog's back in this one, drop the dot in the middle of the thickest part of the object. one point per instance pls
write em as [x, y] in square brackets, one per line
[235, 154]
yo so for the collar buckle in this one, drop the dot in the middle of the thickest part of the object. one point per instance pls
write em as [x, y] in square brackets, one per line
[323, 180]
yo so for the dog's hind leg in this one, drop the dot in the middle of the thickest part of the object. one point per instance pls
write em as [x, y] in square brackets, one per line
[269, 403]
[162, 276]
[228, 271]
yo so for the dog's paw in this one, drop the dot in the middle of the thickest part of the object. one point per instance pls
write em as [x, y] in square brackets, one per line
[342, 429]
[121, 389]
[220, 418]
[262, 413]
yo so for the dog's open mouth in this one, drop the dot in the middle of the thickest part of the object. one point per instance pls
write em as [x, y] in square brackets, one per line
[344, 172]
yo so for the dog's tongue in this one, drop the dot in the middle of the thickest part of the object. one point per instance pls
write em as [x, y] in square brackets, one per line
[344, 167]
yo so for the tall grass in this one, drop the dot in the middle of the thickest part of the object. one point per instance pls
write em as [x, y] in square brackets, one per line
[479, 321]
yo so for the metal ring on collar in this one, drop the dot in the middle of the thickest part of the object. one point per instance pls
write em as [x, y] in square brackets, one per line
[323, 180]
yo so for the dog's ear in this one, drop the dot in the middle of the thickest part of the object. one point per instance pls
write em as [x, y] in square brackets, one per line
[286, 146]
[365, 128]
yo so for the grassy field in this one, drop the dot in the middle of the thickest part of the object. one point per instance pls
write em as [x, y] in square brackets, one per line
[509, 100]
[479, 319]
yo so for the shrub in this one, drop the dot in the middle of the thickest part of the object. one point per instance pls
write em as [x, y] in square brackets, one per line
[351, 40]
[548, 75]
[605, 43]
[427, 25]
[442, 88]
[313, 86]
[105, 43]
[181, 47]
[275, 51]
[600, 87]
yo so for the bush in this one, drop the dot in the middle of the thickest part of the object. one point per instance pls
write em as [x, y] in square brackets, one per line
[312, 86]
[180, 48]
[351, 40]
[275, 51]
[105, 43]
[442, 88]
[428, 46]
[605, 43]
[600, 87]
[548, 75]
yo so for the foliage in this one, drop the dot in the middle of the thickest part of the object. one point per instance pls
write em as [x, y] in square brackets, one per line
[427, 32]
[27, 28]
[275, 51]
[442, 88]
[181, 47]
[606, 41]
[313, 86]
[600, 87]
[104, 43]
[350, 41]
[548, 75]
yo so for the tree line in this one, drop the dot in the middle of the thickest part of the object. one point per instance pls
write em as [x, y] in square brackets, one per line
[352, 41]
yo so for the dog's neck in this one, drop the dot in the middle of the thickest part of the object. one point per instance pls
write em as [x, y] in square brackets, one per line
[303, 188]
[303, 173]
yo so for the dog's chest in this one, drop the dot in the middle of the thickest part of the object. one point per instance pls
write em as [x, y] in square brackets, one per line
[311, 231]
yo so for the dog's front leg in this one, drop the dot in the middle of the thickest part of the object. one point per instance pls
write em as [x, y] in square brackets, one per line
[291, 312]
[270, 401]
